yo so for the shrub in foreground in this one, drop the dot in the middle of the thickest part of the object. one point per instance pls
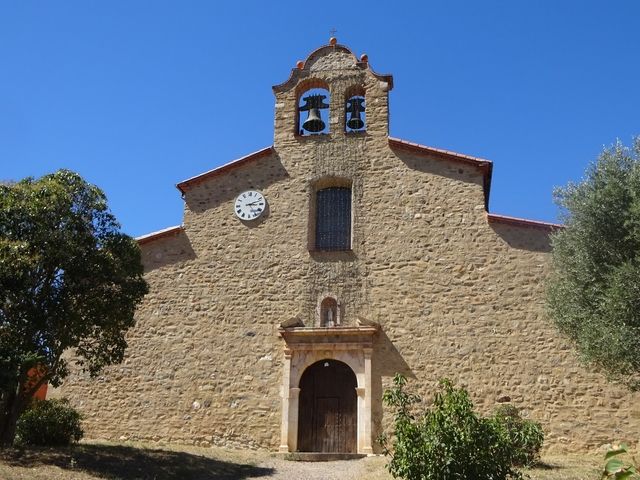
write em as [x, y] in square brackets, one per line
[450, 441]
[49, 422]
[620, 464]
[524, 437]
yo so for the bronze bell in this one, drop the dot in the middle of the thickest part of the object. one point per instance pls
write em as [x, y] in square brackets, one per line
[313, 104]
[313, 123]
[355, 107]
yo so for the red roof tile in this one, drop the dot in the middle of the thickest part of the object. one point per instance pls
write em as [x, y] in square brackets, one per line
[523, 222]
[485, 165]
[448, 154]
[167, 232]
[223, 168]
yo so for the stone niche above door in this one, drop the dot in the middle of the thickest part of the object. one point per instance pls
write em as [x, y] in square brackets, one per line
[329, 414]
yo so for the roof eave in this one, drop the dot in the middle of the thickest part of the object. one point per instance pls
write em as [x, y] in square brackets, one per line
[523, 222]
[486, 166]
[166, 232]
[182, 186]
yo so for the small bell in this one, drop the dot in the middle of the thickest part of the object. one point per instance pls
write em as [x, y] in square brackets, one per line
[355, 107]
[313, 104]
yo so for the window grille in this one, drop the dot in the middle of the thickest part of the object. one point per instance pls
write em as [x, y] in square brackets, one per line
[333, 219]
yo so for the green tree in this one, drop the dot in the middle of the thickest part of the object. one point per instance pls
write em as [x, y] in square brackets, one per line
[69, 279]
[594, 289]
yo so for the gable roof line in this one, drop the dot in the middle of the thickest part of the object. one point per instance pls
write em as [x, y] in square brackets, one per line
[485, 165]
[165, 232]
[223, 168]
[482, 163]
[477, 161]
[523, 222]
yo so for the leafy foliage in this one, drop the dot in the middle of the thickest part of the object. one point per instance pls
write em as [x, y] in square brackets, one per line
[617, 468]
[525, 437]
[447, 441]
[594, 293]
[68, 279]
[49, 422]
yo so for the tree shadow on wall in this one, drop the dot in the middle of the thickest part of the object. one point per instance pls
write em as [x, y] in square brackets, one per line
[386, 362]
[393, 362]
[120, 462]
[166, 251]
[532, 239]
[441, 167]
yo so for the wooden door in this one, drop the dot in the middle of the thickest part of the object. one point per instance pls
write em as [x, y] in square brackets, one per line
[328, 428]
[328, 408]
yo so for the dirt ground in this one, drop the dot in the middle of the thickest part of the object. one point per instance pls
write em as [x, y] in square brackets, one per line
[90, 461]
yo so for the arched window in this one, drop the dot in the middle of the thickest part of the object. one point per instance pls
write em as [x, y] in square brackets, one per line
[355, 118]
[333, 219]
[313, 108]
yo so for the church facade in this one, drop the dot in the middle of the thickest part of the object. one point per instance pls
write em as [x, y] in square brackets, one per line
[305, 275]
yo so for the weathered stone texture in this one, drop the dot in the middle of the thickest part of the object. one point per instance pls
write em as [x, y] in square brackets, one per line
[455, 295]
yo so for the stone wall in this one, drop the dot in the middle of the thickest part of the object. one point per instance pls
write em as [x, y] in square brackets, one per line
[455, 295]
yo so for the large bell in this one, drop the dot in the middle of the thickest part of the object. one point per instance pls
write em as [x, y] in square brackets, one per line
[355, 107]
[355, 122]
[313, 104]
[313, 123]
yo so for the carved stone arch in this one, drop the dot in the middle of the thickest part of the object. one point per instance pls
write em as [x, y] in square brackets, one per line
[309, 84]
[305, 346]
[357, 90]
[353, 361]
[326, 181]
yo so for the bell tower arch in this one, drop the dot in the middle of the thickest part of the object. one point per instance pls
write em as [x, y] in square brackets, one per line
[313, 96]
[337, 70]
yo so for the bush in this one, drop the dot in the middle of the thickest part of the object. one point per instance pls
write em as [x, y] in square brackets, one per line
[49, 422]
[524, 437]
[620, 468]
[448, 441]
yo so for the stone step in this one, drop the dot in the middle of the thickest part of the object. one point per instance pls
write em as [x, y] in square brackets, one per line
[320, 456]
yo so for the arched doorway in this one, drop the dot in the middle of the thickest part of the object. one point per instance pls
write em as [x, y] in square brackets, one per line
[327, 420]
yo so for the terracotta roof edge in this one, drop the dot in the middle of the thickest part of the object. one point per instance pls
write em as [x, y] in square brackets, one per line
[523, 222]
[165, 232]
[485, 165]
[223, 168]
[480, 162]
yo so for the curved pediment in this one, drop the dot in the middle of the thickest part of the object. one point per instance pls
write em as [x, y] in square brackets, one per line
[331, 57]
[327, 58]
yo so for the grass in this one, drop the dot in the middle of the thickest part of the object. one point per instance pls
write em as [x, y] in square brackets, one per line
[552, 467]
[91, 461]
[568, 467]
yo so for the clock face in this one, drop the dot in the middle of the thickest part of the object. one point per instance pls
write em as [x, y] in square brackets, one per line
[249, 205]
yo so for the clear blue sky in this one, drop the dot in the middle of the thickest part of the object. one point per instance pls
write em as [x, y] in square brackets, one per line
[139, 95]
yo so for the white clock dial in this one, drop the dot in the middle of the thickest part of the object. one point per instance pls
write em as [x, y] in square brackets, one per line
[249, 205]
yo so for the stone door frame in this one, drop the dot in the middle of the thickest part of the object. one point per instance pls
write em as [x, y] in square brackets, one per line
[306, 346]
